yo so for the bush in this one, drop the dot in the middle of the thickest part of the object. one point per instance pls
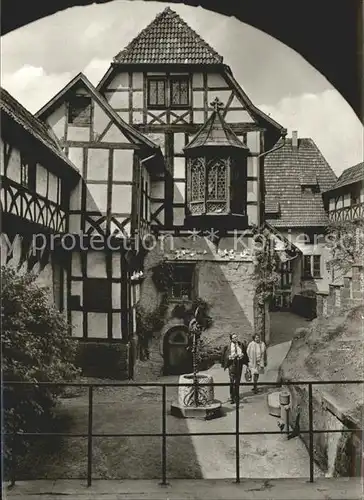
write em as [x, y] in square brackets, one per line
[36, 347]
[103, 359]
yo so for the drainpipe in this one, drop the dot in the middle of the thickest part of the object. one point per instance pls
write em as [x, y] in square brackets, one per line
[262, 189]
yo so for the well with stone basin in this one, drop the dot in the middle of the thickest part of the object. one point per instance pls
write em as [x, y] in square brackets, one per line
[195, 400]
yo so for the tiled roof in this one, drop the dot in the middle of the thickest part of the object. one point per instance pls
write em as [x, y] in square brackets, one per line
[350, 175]
[272, 207]
[284, 170]
[215, 132]
[32, 125]
[168, 40]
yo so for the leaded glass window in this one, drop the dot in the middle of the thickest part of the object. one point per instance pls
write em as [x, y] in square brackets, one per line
[216, 181]
[157, 92]
[197, 181]
[179, 92]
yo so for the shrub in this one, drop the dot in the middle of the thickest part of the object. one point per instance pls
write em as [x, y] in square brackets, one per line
[103, 359]
[36, 347]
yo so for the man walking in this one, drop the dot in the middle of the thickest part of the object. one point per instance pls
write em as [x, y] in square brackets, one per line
[233, 357]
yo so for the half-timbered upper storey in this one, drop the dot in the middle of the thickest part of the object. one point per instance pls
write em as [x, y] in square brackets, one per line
[345, 200]
[36, 175]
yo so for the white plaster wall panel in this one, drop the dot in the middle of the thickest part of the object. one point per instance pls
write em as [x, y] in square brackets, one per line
[198, 98]
[120, 81]
[96, 197]
[157, 189]
[76, 157]
[198, 117]
[332, 204]
[97, 164]
[159, 139]
[197, 80]
[76, 264]
[179, 192]
[252, 212]
[100, 121]
[347, 200]
[13, 170]
[76, 321]
[82, 91]
[116, 265]
[223, 95]
[41, 180]
[253, 142]
[238, 116]
[124, 115]
[123, 165]
[96, 265]
[57, 121]
[78, 133]
[340, 202]
[114, 135]
[138, 99]
[118, 100]
[178, 216]
[252, 166]
[216, 80]
[97, 325]
[121, 199]
[179, 143]
[52, 188]
[134, 321]
[179, 170]
[75, 196]
[115, 296]
[137, 79]
[252, 190]
[236, 103]
[127, 229]
[361, 195]
[116, 326]
[138, 117]
[76, 289]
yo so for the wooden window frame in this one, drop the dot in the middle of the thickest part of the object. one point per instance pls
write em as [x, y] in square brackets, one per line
[311, 273]
[179, 78]
[190, 283]
[163, 79]
[314, 274]
[97, 302]
[72, 118]
[28, 174]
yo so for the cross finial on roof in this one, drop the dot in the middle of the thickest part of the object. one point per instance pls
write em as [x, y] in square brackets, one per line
[216, 104]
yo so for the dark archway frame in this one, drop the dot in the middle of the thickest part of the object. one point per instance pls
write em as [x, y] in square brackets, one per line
[166, 345]
[327, 33]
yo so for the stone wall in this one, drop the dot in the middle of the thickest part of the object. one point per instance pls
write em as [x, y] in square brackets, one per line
[342, 295]
[225, 281]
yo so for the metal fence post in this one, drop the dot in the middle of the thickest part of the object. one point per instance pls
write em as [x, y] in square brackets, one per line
[310, 428]
[164, 438]
[89, 435]
[237, 430]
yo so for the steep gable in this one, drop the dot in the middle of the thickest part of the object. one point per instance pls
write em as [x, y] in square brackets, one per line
[168, 40]
[107, 124]
[296, 177]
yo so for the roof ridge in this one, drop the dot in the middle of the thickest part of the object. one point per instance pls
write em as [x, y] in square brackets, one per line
[168, 13]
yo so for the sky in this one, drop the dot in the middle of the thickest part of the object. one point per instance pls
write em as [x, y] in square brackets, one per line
[39, 59]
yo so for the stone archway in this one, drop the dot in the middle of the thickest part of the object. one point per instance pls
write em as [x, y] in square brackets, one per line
[177, 359]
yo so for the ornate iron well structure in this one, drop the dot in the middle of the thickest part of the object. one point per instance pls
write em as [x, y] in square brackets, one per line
[194, 399]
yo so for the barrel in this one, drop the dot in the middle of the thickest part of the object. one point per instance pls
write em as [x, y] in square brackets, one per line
[284, 398]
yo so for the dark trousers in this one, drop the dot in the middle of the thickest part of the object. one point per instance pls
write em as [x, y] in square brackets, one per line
[235, 371]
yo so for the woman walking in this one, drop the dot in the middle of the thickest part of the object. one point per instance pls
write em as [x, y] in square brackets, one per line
[257, 353]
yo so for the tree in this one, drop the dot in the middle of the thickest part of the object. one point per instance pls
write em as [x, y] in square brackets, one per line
[36, 347]
[345, 240]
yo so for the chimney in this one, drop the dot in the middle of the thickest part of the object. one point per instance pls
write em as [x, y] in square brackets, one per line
[294, 139]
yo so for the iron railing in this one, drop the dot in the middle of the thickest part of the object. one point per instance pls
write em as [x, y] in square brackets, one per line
[164, 434]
